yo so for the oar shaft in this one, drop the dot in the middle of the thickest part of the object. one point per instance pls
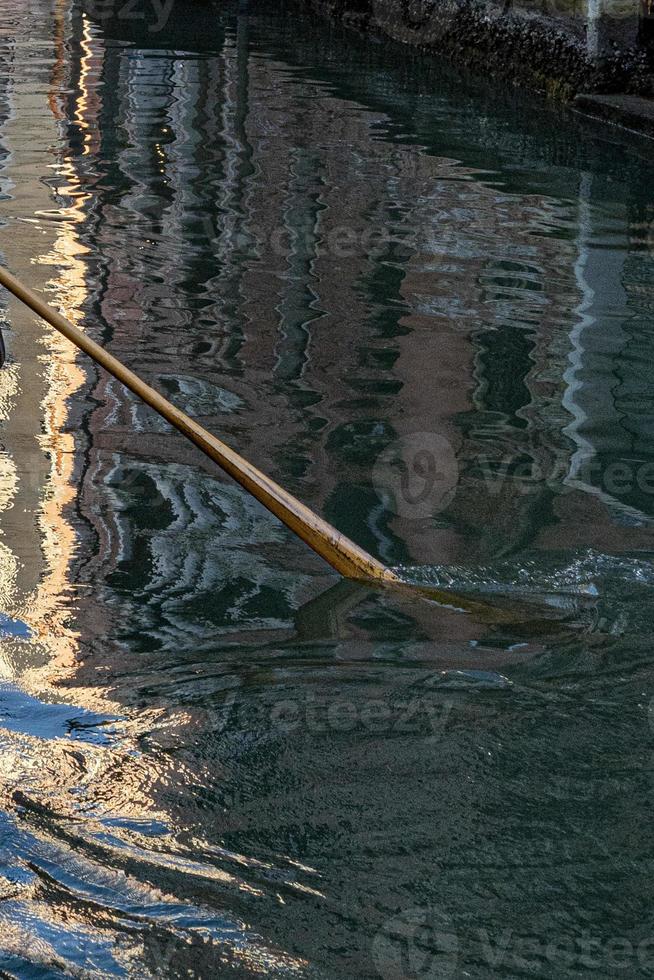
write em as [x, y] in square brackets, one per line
[341, 553]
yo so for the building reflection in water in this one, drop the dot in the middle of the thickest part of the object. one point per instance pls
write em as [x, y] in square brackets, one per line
[221, 278]
[58, 760]
[202, 202]
[275, 258]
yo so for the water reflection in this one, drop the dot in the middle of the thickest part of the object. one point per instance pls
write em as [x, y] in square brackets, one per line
[213, 755]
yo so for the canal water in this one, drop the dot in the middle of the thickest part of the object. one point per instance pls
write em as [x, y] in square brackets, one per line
[424, 304]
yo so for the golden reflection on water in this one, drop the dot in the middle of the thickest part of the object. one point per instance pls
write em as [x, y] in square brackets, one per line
[60, 777]
[45, 597]
[63, 375]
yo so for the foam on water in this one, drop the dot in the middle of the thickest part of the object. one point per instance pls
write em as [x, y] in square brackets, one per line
[587, 574]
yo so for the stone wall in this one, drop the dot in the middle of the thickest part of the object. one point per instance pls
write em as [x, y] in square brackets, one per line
[559, 46]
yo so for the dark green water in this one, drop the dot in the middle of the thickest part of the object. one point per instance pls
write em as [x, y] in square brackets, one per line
[424, 305]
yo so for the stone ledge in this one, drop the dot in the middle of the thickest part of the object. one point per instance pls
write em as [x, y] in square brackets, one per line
[629, 111]
[518, 40]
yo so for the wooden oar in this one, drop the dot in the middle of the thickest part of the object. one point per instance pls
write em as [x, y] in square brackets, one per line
[341, 553]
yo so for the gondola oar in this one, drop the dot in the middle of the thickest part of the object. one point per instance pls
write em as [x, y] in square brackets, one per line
[342, 554]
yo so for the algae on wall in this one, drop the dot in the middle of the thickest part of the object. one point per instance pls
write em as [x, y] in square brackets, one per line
[559, 46]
